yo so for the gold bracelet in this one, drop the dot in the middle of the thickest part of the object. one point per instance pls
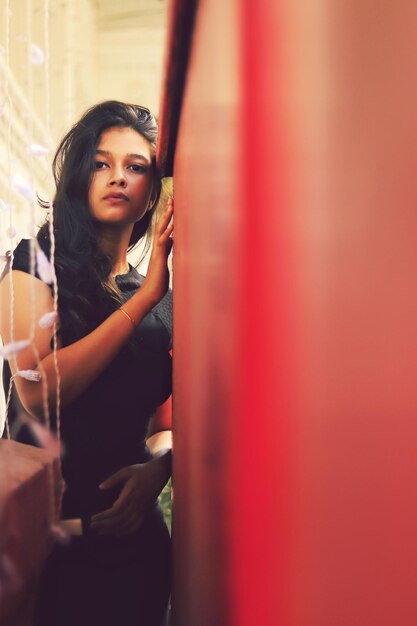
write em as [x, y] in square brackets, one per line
[121, 309]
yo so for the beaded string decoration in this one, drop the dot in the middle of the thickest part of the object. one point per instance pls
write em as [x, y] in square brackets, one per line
[38, 260]
[51, 216]
[19, 184]
[10, 230]
[56, 530]
[34, 150]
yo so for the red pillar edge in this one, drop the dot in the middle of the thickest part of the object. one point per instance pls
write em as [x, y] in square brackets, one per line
[259, 567]
[180, 25]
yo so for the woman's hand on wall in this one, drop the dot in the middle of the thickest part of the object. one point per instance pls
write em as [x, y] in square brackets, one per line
[156, 282]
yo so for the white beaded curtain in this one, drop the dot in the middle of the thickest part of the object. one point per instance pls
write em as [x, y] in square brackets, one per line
[26, 146]
[96, 51]
[38, 57]
[24, 74]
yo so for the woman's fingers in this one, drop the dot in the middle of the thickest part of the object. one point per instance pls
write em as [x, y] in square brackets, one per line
[113, 520]
[104, 517]
[132, 524]
[167, 234]
[121, 524]
[121, 476]
[123, 517]
[113, 514]
[163, 222]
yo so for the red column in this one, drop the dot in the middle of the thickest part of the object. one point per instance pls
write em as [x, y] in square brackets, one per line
[295, 305]
[233, 327]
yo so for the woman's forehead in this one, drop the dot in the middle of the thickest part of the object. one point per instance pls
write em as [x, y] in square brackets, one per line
[124, 140]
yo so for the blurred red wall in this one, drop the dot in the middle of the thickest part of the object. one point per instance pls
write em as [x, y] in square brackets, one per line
[295, 305]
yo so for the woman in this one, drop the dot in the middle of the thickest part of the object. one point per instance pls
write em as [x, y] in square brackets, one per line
[113, 354]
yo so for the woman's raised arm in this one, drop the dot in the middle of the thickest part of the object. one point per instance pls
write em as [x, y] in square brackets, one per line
[83, 361]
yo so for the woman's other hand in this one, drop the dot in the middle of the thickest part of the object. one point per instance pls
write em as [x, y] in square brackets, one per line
[142, 485]
[156, 282]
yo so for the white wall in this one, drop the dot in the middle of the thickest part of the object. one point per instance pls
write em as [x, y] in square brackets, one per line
[98, 49]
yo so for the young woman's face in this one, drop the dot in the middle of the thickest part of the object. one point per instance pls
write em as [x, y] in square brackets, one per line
[121, 184]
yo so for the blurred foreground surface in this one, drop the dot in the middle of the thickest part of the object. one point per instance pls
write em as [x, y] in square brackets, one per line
[295, 306]
[28, 476]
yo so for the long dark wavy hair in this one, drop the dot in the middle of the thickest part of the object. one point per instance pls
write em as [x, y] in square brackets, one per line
[83, 270]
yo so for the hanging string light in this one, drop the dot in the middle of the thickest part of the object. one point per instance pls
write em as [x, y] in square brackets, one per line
[11, 229]
[35, 56]
[51, 217]
[19, 184]
[48, 270]
[23, 184]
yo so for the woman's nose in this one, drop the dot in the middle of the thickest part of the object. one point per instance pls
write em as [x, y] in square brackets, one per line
[118, 178]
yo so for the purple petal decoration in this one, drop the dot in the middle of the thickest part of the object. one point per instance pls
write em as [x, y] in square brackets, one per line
[9, 574]
[20, 184]
[59, 534]
[7, 566]
[11, 232]
[45, 437]
[11, 349]
[35, 149]
[45, 270]
[32, 375]
[36, 55]
[48, 320]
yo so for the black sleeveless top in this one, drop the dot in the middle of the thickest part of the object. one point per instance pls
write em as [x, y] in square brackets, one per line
[104, 429]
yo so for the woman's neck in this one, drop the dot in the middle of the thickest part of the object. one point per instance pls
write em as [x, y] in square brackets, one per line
[114, 243]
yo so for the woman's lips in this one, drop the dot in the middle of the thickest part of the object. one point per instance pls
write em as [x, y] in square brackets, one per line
[116, 197]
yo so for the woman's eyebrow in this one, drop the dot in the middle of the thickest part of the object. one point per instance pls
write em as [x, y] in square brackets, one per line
[139, 156]
[132, 154]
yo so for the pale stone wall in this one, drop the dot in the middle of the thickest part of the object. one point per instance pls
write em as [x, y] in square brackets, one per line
[98, 49]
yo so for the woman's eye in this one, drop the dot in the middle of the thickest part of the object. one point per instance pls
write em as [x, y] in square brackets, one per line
[99, 165]
[137, 168]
